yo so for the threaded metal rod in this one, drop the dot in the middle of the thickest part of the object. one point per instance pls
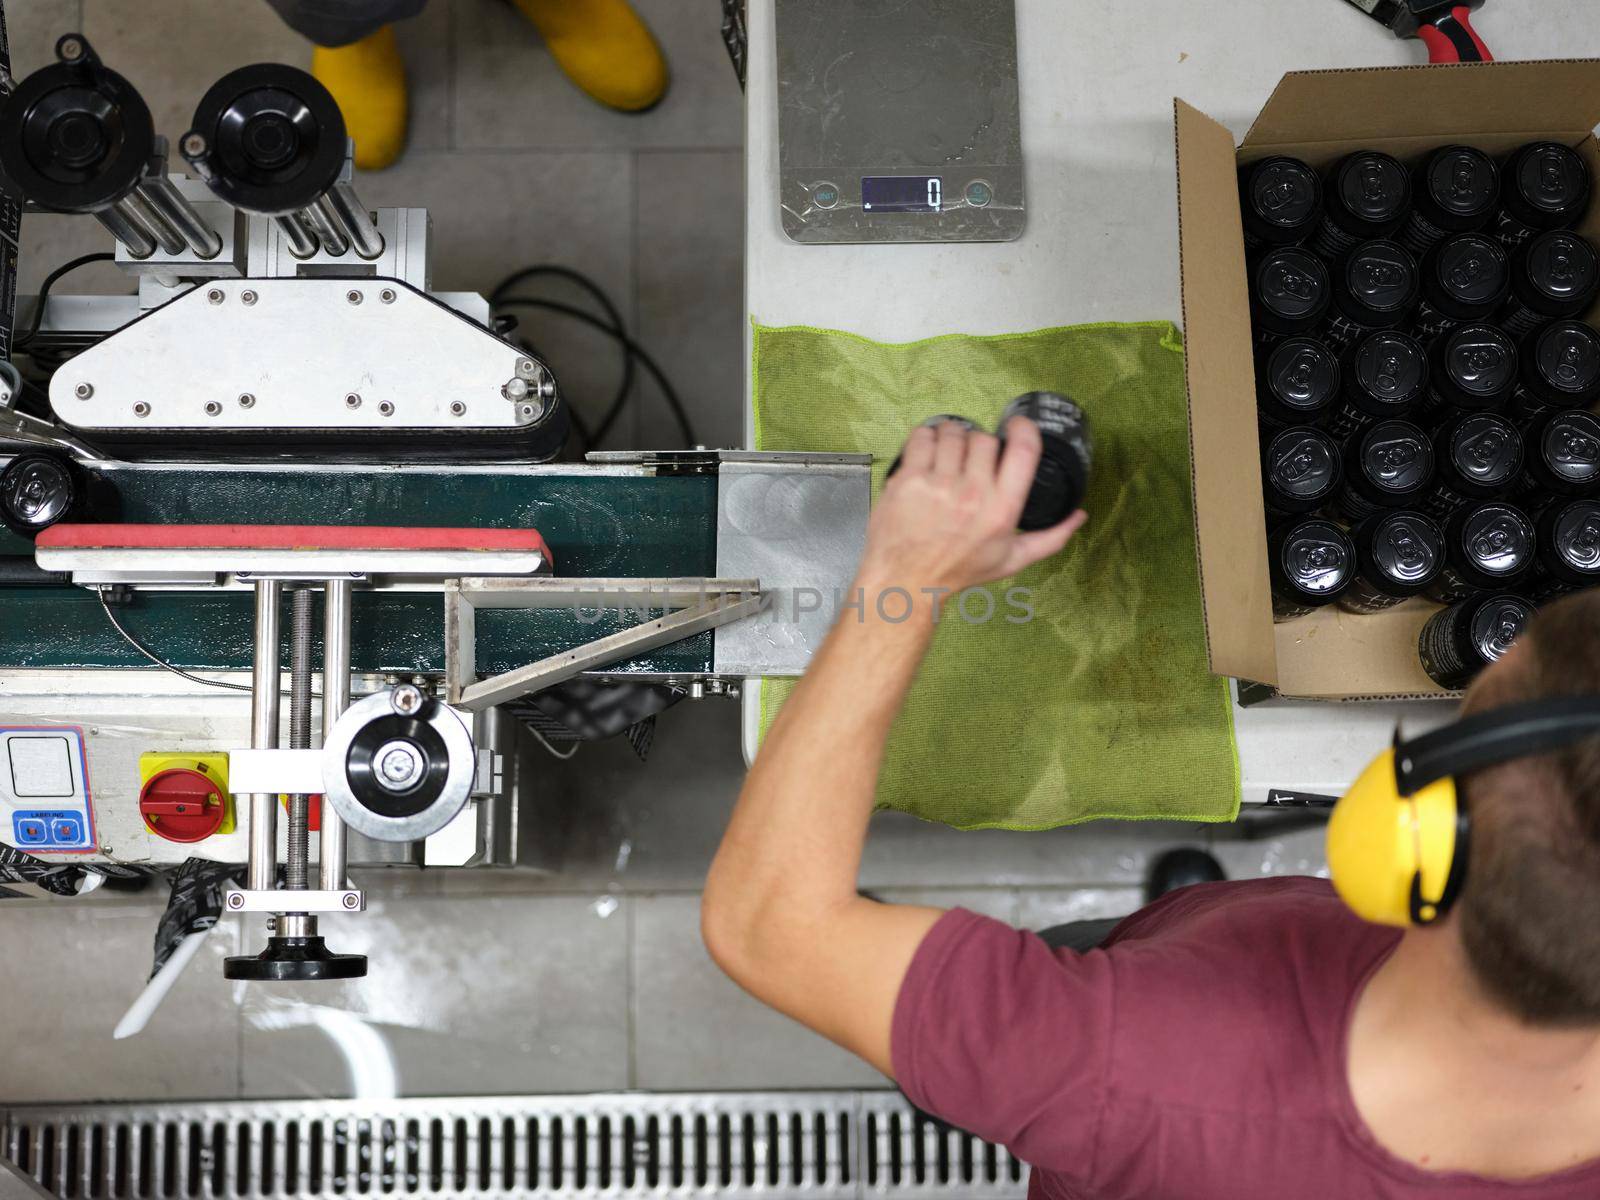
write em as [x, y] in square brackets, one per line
[299, 731]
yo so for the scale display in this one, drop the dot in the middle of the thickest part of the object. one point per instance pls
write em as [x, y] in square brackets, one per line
[899, 122]
[902, 193]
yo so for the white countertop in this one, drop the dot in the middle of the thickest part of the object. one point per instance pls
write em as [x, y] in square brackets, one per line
[1097, 81]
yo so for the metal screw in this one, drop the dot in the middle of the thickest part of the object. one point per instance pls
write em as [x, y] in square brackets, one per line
[547, 389]
[247, 296]
[215, 295]
[353, 296]
[83, 391]
[352, 400]
[387, 295]
[193, 143]
[527, 411]
[105, 847]
[386, 409]
[350, 900]
[525, 368]
[246, 400]
[70, 49]
[235, 899]
[212, 408]
[406, 699]
[514, 389]
[141, 409]
[457, 408]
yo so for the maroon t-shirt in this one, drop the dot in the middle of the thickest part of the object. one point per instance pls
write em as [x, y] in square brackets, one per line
[1200, 1055]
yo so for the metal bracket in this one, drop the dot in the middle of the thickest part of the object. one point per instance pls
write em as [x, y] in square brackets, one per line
[698, 604]
[306, 900]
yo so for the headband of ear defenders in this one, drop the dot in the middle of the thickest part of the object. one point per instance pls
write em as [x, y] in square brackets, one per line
[1492, 737]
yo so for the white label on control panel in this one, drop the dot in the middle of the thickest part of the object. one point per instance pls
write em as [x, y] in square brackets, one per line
[41, 766]
[44, 789]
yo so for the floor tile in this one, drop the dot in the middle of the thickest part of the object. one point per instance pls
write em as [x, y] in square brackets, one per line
[72, 969]
[488, 994]
[690, 255]
[1042, 908]
[172, 51]
[425, 46]
[511, 95]
[494, 213]
[32, 28]
[694, 1028]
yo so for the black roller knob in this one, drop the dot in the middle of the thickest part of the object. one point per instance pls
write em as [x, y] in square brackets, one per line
[38, 490]
[295, 960]
[267, 138]
[75, 136]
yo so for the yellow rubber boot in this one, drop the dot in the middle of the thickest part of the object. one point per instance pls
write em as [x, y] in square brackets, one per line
[368, 79]
[604, 48]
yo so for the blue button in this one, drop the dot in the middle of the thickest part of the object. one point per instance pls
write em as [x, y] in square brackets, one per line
[31, 831]
[825, 195]
[979, 193]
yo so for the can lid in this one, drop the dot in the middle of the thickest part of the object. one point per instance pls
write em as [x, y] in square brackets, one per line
[1496, 623]
[1485, 450]
[1382, 277]
[1374, 186]
[1471, 269]
[1302, 374]
[1561, 266]
[1550, 177]
[1405, 548]
[1391, 368]
[1496, 539]
[1463, 182]
[1396, 458]
[1303, 463]
[1570, 446]
[1480, 361]
[1316, 557]
[1284, 192]
[36, 491]
[1567, 356]
[1292, 282]
[1575, 536]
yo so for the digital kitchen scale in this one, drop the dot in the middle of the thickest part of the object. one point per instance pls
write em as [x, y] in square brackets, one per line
[898, 121]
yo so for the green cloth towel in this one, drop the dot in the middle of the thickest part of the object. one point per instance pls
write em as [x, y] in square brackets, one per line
[1100, 706]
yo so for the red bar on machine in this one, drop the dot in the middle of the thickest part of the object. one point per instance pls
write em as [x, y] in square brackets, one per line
[287, 537]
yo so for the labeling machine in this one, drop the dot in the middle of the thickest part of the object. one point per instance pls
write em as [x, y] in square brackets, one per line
[287, 451]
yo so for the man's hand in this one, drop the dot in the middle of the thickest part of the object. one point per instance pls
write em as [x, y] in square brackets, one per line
[947, 519]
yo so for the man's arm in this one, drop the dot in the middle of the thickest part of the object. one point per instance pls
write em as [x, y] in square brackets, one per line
[781, 915]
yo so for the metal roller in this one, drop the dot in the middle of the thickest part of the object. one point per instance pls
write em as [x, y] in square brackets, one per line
[399, 766]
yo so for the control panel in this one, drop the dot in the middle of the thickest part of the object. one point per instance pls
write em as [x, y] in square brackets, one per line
[44, 789]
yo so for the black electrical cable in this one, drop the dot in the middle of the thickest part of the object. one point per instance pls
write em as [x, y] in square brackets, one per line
[164, 664]
[617, 325]
[668, 392]
[44, 292]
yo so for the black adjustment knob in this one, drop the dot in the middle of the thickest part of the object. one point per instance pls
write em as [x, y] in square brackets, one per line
[1181, 868]
[75, 136]
[295, 960]
[267, 138]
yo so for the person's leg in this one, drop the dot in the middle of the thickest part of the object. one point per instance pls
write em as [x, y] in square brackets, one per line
[604, 48]
[1081, 936]
[355, 57]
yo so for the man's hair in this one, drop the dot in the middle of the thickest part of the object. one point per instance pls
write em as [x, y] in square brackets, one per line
[1530, 910]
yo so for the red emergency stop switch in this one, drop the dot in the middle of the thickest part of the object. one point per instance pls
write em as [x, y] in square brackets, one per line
[182, 805]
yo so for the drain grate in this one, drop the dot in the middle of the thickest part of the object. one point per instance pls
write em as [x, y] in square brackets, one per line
[813, 1144]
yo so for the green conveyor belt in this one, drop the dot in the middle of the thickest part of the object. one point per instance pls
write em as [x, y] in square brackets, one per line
[595, 524]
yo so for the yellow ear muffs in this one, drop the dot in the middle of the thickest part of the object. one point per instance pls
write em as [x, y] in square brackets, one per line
[1393, 857]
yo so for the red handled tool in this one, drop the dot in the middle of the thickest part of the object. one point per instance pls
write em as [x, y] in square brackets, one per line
[1444, 25]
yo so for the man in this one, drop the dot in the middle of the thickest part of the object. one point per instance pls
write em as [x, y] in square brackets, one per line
[1233, 1041]
[603, 46]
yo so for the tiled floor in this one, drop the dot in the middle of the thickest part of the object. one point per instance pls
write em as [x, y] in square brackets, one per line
[593, 979]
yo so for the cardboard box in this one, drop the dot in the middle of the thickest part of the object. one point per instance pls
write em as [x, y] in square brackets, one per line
[1320, 116]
